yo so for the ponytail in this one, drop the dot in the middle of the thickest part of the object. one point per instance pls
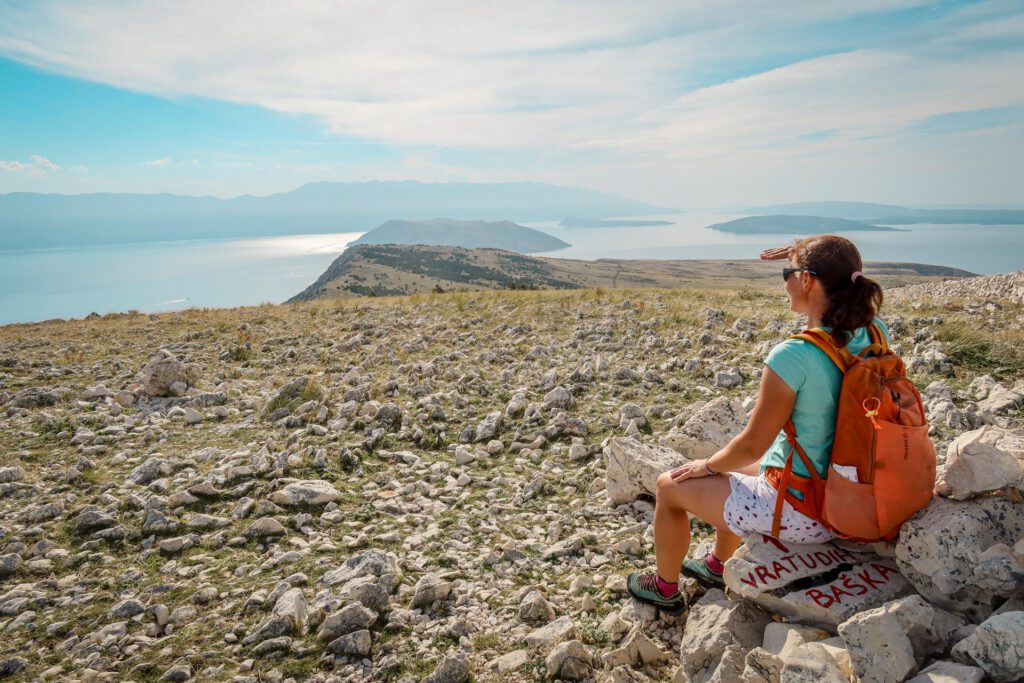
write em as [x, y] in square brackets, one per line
[853, 299]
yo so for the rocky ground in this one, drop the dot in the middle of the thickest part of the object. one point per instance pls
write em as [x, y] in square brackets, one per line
[386, 489]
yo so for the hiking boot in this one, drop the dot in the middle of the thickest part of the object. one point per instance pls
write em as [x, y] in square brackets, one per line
[644, 588]
[698, 569]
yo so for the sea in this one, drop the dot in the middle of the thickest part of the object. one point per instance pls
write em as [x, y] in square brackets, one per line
[73, 282]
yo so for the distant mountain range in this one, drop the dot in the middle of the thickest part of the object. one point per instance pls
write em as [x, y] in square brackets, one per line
[795, 225]
[30, 220]
[890, 214]
[469, 234]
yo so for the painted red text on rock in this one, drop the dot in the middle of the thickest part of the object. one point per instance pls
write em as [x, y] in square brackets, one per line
[796, 564]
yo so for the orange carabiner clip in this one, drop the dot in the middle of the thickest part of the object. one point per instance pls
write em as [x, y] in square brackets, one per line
[870, 412]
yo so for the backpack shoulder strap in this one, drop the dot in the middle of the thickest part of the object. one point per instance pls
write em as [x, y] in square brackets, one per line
[877, 339]
[842, 358]
[839, 355]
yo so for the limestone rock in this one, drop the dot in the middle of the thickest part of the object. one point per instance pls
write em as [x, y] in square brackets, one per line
[570, 661]
[291, 606]
[559, 398]
[707, 430]
[812, 663]
[948, 672]
[879, 648]
[976, 464]
[370, 563]
[429, 589]
[940, 550]
[350, 618]
[307, 492]
[633, 468]
[452, 669]
[489, 427]
[997, 646]
[511, 662]
[714, 623]
[357, 643]
[763, 571]
[761, 666]
[635, 649]
[9, 564]
[177, 674]
[265, 527]
[163, 371]
[535, 609]
[730, 665]
[547, 636]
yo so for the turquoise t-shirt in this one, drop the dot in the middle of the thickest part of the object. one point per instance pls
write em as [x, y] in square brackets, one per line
[816, 381]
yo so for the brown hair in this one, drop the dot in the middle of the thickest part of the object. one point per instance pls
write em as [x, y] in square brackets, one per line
[851, 303]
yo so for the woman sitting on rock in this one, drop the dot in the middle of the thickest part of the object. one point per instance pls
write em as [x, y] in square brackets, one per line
[729, 490]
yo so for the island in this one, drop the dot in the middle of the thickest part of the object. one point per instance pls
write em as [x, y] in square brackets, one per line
[795, 225]
[469, 234]
[891, 214]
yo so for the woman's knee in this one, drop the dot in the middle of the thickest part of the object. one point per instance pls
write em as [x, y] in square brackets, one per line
[668, 492]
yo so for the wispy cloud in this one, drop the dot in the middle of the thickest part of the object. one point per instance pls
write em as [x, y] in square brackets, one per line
[660, 93]
[38, 166]
[163, 161]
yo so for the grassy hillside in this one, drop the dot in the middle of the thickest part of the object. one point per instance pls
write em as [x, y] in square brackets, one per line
[392, 270]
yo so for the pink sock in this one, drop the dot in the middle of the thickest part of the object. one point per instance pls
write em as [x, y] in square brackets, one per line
[713, 563]
[664, 587]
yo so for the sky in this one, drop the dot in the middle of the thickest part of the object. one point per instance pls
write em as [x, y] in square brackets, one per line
[679, 103]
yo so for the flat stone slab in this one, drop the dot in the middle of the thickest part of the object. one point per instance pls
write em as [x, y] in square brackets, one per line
[821, 584]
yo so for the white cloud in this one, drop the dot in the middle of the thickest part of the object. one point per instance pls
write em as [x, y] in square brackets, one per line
[37, 166]
[643, 87]
[489, 74]
[163, 161]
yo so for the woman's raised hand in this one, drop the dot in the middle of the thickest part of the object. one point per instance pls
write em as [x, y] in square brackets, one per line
[776, 254]
[691, 470]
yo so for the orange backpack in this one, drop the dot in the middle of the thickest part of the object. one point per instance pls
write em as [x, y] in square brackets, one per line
[881, 431]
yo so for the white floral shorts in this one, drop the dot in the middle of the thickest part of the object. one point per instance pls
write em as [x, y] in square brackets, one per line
[750, 509]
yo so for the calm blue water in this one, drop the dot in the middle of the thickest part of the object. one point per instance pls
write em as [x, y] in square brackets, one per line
[63, 283]
[162, 276]
[985, 249]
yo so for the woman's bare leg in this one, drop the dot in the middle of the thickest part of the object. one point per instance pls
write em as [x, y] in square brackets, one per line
[704, 497]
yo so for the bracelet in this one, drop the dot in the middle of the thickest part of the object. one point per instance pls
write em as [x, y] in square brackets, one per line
[707, 466]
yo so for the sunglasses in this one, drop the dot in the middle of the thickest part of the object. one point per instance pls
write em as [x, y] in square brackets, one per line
[786, 272]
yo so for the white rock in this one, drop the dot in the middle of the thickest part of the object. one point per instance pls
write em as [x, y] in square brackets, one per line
[306, 492]
[762, 572]
[547, 636]
[707, 430]
[714, 623]
[997, 646]
[812, 663]
[429, 589]
[949, 672]
[570, 661]
[633, 468]
[940, 548]
[975, 464]
[511, 662]
[291, 607]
